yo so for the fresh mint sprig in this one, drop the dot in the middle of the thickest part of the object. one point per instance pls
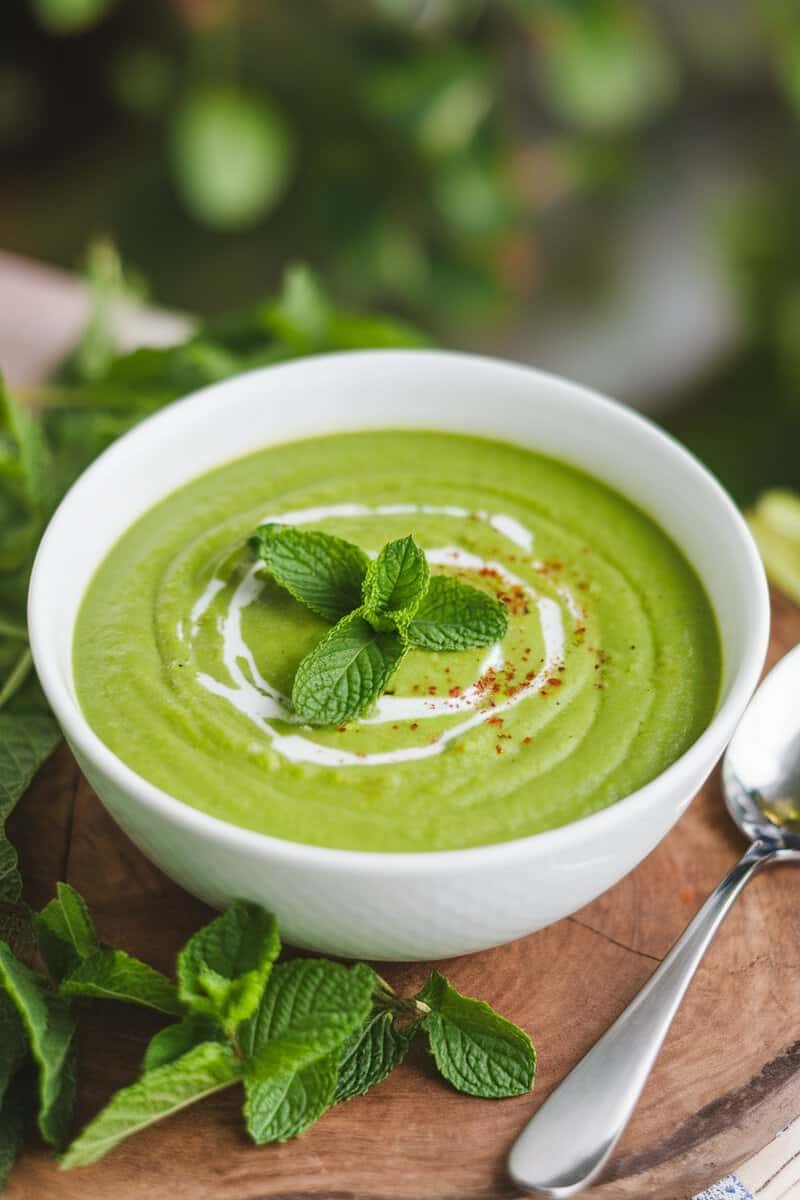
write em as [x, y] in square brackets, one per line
[381, 608]
[299, 1036]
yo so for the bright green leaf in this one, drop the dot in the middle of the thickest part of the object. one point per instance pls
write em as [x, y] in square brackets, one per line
[157, 1094]
[478, 1051]
[176, 1040]
[346, 671]
[65, 932]
[454, 616]
[50, 1028]
[370, 1054]
[395, 583]
[114, 975]
[224, 968]
[291, 1044]
[323, 572]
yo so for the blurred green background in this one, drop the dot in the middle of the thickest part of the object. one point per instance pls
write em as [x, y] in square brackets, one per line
[608, 188]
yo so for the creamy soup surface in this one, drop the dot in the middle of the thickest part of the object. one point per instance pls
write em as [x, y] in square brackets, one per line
[185, 651]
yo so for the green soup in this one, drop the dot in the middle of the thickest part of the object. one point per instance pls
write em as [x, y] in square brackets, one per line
[185, 652]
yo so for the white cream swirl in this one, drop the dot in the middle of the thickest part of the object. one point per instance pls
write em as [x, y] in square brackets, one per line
[255, 697]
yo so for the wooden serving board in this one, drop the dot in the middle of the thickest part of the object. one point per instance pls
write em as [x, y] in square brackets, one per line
[727, 1080]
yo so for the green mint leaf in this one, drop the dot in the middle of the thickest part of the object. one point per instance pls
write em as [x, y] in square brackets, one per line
[283, 1105]
[177, 1040]
[224, 968]
[291, 1044]
[13, 1041]
[10, 878]
[321, 571]
[345, 672]
[478, 1051]
[49, 1027]
[157, 1094]
[23, 457]
[370, 1054]
[65, 932]
[16, 1114]
[454, 616]
[114, 975]
[26, 741]
[395, 583]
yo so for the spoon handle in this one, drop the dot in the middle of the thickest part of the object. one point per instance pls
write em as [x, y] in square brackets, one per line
[570, 1138]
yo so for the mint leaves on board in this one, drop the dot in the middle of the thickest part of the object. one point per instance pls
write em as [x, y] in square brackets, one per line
[381, 608]
[300, 1036]
[480, 1052]
[223, 969]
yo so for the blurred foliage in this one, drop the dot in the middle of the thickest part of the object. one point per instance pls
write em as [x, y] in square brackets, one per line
[775, 523]
[406, 148]
[100, 394]
[457, 162]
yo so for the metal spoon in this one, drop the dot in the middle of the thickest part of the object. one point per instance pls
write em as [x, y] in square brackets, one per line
[572, 1135]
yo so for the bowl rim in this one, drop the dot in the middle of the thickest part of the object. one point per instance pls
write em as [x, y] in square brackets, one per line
[692, 763]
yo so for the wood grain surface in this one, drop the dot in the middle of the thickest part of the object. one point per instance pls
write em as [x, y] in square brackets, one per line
[727, 1080]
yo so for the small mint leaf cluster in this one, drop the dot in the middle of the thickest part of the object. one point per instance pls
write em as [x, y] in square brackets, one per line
[298, 1036]
[381, 609]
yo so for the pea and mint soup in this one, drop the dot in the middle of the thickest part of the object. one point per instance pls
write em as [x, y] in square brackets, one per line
[186, 648]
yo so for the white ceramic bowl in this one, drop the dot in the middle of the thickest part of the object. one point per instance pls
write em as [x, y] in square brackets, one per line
[399, 906]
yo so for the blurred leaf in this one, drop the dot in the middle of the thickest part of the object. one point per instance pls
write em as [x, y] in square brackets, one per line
[775, 524]
[107, 283]
[472, 196]
[441, 98]
[70, 16]
[231, 156]
[141, 79]
[604, 66]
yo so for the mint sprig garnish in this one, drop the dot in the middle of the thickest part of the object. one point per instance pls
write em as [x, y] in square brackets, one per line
[351, 665]
[395, 584]
[381, 608]
[454, 616]
[299, 1036]
[323, 572]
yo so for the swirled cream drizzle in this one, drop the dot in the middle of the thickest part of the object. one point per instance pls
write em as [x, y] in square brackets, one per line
[255, 697]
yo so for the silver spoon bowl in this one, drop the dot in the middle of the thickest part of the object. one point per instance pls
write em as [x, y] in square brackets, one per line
[573, 1134]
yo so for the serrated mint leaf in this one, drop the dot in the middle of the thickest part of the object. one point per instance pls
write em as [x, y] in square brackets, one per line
[321, 571]
[345, 672]
[224, 968]
[177, 1040]
[395, 583]
[284, 1106]
[65, 932]
[114, 975]
[26, 741]
[455, 616]
[49, 1028]
[16, 1114]
[291, 1045]
[370, 1054]
[478, 1051]
[157, 1094]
